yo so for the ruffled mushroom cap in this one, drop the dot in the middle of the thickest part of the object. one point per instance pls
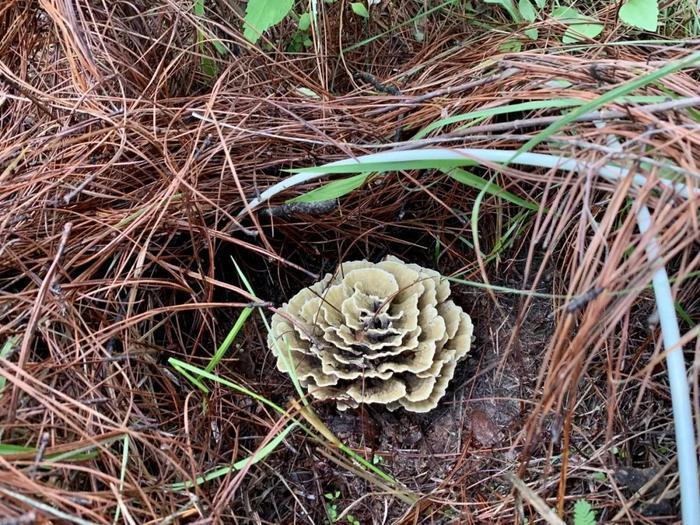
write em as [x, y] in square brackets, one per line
[381, 333]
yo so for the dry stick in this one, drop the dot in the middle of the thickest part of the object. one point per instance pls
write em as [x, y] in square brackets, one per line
[445, 91]
[24, 519]
[536, 501]
[36, 309]
[542, 121]
[39, 457]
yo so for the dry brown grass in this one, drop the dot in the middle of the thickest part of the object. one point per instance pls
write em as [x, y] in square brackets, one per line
[117, 224]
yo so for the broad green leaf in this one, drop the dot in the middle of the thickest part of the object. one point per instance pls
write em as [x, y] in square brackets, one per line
[540, 3]
[580, 26]
[260, 15]
[643, 14]
[508, 6]
[332, 190]
[304, 22]
[209, 67]
[581, 31]
[526, 10]
[583, 513]
[566, 14]
[532, 33]
[359, 9]
[474, 181]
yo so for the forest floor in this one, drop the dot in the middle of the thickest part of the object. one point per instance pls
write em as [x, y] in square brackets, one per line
[130, 152]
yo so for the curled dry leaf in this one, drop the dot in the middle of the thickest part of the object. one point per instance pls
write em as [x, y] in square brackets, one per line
[382, 333]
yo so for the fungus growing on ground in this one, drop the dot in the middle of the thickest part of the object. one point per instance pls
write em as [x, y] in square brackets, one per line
[382, 333]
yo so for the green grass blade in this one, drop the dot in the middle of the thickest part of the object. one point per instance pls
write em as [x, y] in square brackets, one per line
[196, 382]
[505, 289]
[202, 373]
[333, 190]
[122, 475]
[500, 110]
[610, 96]
[556, 103]
[474, 181]
[223, 348]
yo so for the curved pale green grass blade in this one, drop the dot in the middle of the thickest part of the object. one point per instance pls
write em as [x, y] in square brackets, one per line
[504, 289]
[381, 165]
[474, 181]
[445, 158]
[122, 475]
[332, 190]
[475, 220]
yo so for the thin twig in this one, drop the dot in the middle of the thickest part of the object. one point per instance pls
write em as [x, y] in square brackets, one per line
[36, 310]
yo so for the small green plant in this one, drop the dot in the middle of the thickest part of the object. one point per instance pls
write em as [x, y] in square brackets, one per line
[352, 520]
[208, 64]
[641, 14]
[332, 506]
[599, 476]
[302, 36]
[584, 513]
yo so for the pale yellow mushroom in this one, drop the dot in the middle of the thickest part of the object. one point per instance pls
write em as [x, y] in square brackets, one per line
[384, 333]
